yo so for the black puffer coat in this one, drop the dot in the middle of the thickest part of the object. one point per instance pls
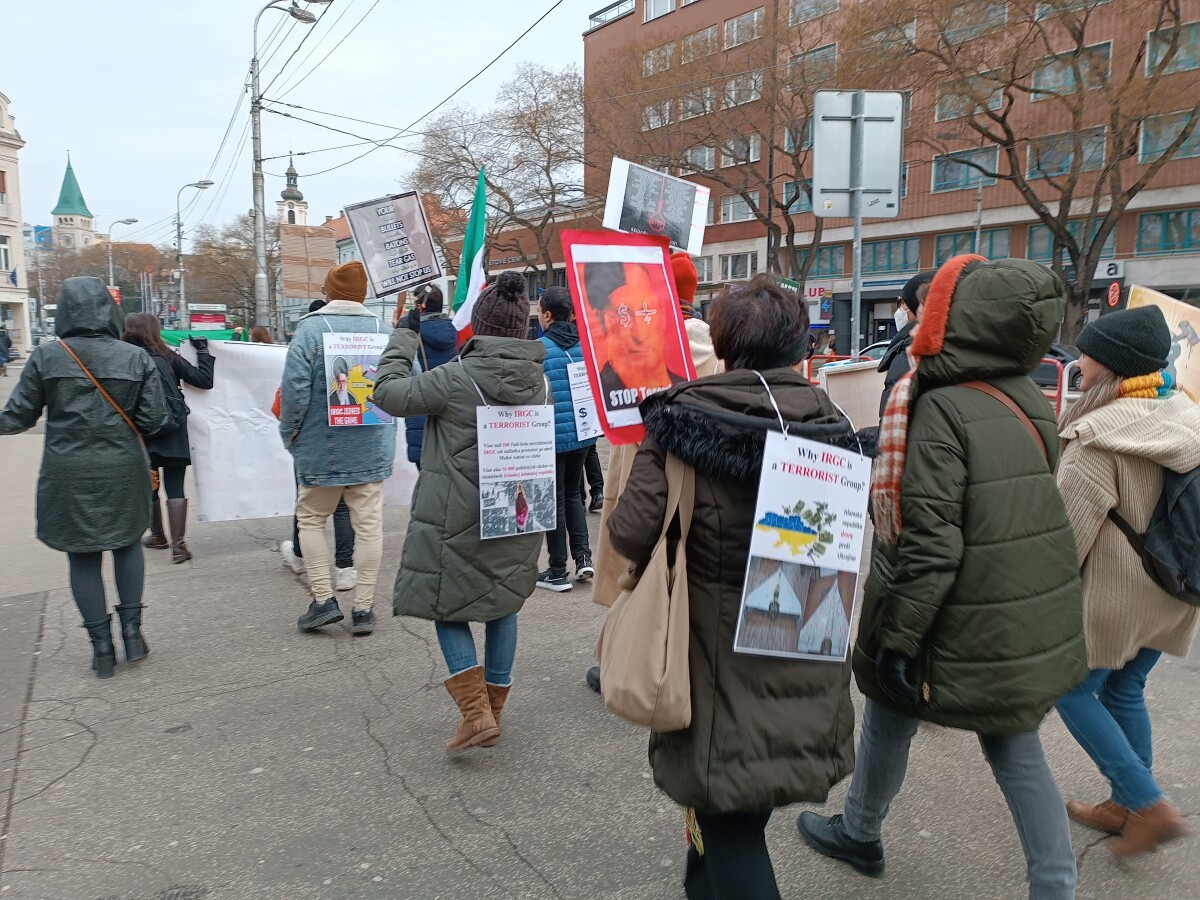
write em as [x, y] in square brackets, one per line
[765, 731]
[895, 363]
[94, 487]
[172, 447]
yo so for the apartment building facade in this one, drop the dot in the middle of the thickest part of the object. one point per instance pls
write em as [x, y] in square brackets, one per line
[720, 91]
[14, 287]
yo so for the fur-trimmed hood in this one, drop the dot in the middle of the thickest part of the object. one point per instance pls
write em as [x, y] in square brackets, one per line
[718, 425]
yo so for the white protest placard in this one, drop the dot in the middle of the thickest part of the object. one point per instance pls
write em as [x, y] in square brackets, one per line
[393, 238]
[645, 201]
[583, 403]
[516, 470]
[805, 551]
[351, 365]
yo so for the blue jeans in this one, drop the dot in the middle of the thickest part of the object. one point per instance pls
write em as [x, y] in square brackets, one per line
[1020, 768]
[1107, 715]
[499, 648]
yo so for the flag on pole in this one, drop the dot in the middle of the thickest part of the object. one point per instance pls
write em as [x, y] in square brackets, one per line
[471, 274]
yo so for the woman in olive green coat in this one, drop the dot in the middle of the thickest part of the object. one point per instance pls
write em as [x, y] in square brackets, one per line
[973, 612]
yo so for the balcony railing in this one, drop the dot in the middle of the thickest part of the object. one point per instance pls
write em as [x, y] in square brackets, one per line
[610, 12]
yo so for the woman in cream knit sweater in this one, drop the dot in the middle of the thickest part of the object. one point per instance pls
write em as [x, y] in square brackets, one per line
[1118, 438]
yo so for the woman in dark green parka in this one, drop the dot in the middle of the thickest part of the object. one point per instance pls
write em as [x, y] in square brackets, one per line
[973, 612]
[94, 486]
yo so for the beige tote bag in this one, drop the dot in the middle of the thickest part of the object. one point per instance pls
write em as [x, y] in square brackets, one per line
[643, 647]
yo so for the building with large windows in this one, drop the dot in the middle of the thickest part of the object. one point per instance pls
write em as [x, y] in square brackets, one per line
[14, 289]
[1023, 112]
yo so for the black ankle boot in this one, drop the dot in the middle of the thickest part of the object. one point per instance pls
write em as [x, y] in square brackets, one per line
[131, 632]
[104, 654]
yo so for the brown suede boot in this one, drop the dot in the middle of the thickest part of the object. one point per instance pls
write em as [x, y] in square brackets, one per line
[177, 519]
[496, 697]
[157, 538]
[478, 724]
[1146, 828]
[1106, 816]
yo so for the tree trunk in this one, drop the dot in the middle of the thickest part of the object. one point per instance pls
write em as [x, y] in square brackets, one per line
[1076, 313]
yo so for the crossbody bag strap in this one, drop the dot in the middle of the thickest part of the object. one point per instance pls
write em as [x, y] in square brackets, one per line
[1136, 541]
[996, 394]
[105, 394]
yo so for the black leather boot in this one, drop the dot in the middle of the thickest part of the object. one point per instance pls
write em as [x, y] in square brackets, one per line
[131, 632]
[104, 654]
[157, 538]
[177, 519]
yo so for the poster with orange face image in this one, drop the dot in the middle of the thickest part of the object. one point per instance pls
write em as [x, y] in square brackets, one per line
[627, 309]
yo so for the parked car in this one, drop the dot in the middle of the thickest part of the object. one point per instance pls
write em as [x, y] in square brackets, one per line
[875, 351]
[1046, 375]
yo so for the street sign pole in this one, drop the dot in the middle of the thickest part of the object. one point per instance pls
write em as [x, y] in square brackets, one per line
[856, 188]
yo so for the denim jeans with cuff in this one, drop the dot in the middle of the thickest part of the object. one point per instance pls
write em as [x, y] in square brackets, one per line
[499, 648]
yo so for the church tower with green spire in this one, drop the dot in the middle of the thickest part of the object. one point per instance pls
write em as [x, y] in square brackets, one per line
[73, 225]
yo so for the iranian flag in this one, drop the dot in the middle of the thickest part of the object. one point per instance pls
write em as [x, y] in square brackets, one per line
[471, 275]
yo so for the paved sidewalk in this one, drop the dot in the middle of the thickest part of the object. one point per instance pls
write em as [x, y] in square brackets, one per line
[245, 760]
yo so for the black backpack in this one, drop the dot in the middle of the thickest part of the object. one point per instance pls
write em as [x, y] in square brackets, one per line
[177, 407]
[1170, 548]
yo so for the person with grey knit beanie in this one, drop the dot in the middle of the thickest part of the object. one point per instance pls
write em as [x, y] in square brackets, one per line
[1119, 438]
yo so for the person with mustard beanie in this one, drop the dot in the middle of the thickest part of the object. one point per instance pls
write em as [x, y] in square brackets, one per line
[334, 463]
[1126, 430]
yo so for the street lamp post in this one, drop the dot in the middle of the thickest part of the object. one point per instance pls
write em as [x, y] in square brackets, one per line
[112, 281]
[262, 299]
[203, 185]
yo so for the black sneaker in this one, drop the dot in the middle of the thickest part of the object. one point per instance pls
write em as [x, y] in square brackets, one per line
[593, 678]
[597, 503]
[827, 836]
[362, 621]
[584, 570]
[554, 581]
[320, 615]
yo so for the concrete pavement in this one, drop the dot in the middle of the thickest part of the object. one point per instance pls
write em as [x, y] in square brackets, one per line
[245, 760]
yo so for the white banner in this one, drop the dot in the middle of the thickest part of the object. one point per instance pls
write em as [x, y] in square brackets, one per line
[240, 466]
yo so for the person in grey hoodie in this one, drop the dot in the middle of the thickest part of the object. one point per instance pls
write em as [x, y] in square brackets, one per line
[333, 463]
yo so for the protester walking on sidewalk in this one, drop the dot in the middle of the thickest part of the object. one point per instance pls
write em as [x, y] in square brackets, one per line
[5, 351]
[765, 732]
[594, 473]
[94, 486]
[973, 614]
[437, 341]
[170, 450]
[345, 578]
[561, 340]
[894, 362]
[334, 463]
[448, 573]
[1121, 437]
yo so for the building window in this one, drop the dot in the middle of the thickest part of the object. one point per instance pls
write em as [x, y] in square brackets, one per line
[801, 11]
[3, 188]
[797, 196]
[700, 159]
[698, 43]
[798, 136]
[1040, 245]
[829, 261]
[904, 35]
[1187, 49]
[993, 243]
[1054, 154]
[291, 217]
[739, 266]
[967, 97]
[965, 169]
[743, 89]
[1177, 231]
[658, 8]
[5, 258]
[744, 28]
[880, 257]
[704, 268]
[658, 59]
[1159, 132]
[903, 180]
[736, 208]
[710, 214]
[1056, 77]
[741, 150]
[1054, 7]
[698, 103]
[812, 67]
[656, 115]
[971, 20]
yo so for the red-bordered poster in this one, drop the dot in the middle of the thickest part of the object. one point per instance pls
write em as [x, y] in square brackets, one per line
[634, 342]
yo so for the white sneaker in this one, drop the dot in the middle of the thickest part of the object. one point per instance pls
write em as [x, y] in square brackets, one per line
[345, 579]
[288, 551]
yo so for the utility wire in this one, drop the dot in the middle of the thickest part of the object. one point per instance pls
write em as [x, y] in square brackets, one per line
[289, 88]
[307, 32]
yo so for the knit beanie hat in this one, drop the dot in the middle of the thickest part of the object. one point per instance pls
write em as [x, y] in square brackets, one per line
[502, 309]
[1130, 342]
[908, 293]
[347, 281]
[686, 278]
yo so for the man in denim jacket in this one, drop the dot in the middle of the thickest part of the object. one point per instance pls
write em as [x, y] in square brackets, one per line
[333, 463]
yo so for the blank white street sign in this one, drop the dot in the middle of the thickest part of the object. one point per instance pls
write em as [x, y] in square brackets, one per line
[882, 148]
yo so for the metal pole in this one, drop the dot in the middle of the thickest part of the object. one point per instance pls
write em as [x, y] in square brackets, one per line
[111, 283]
[262, 301]
[856, 188]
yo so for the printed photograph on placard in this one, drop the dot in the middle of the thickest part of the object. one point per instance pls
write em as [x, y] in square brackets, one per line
[796, 611]
[516, 470]
[1183, 321]
[517, 507]
[645, 201]
[351, 363]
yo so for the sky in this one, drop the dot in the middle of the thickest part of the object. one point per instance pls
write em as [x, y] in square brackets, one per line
[141, 93]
